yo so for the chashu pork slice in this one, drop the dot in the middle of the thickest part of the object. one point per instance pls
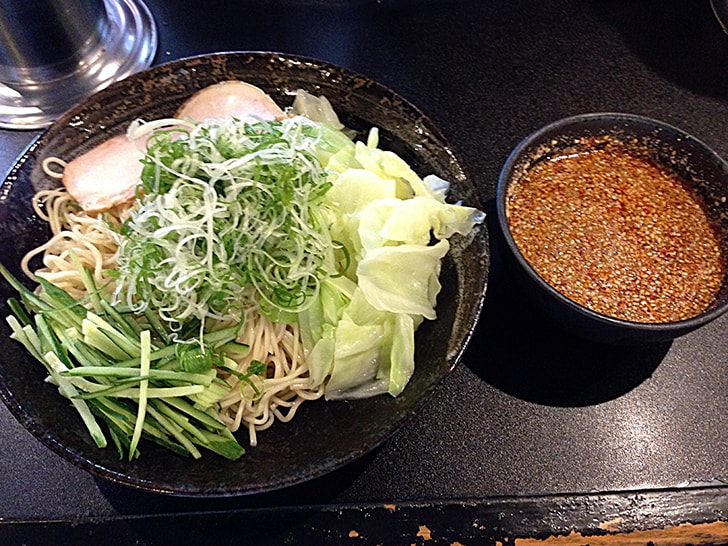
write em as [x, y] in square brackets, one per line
[230, 99]
[108, 175]
[105, 176]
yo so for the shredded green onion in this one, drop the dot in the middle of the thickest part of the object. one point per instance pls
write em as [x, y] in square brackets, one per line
[231, 214]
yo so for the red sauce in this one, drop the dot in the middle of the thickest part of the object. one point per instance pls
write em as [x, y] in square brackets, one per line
[615, 232]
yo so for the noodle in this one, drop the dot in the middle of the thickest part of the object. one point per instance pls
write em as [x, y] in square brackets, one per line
[73, 232]
[285, 386]
[254, 404]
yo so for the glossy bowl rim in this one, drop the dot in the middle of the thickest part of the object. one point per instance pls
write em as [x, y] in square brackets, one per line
[505, 178]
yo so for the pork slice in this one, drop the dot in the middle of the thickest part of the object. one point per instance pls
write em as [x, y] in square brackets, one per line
[105, 176]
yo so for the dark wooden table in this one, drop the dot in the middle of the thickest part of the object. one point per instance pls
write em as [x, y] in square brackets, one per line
[536, 433]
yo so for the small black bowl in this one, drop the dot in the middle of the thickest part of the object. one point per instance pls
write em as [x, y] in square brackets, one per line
[688, 157]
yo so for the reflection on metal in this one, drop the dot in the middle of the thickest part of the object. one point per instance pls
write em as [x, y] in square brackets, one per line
[51, 60]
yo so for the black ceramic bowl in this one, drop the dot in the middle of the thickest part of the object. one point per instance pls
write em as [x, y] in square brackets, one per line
[324, 435]
[667, 145]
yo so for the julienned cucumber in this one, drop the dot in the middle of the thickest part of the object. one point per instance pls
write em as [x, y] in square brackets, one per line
[119, 369]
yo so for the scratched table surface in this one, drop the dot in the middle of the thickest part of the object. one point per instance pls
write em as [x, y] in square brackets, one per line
[535, 432]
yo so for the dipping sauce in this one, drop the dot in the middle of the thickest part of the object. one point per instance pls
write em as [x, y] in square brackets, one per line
[618, 233]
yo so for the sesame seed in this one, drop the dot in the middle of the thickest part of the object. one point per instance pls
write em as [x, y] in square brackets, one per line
[618, 233]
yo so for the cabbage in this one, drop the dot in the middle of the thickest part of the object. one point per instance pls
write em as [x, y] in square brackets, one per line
[315, 108]
[404, 278]
[412, 221]
[402, 355]
[359, 335]
[357, 355]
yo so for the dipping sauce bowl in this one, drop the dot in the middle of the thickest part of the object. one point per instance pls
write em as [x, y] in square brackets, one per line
[615, 225]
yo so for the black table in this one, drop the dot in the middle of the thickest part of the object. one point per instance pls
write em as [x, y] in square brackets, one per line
[535, 433]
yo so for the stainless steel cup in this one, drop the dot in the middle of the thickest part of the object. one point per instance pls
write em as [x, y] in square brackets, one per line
[53, 53]
[42, 39]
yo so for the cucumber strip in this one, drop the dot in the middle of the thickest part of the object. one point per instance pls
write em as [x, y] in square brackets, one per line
[128, 326]
[211, 395]
[32, 302]
[180, 420]
[235, 348]
[203, 417]
[175, 431]
[85, 355]
[216, 338]
[19, 311]
[89, 388]
[33, 339]
[153, 374]
[166, 443]
[116, 411]
[97, 338]
[117, 438]
[131, 346]
[156, 325]
[70, 392]
[146, 349]
[50, 342]
[124, 391]
[21, 334]
[223, 445]
[62, 305]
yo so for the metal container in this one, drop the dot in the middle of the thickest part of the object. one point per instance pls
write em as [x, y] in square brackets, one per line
[53, 53]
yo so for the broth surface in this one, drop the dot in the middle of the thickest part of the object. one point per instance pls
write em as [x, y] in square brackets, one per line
[617, 233]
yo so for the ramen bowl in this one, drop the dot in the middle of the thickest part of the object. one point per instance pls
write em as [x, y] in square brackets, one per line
[323, 436]
[588, 227]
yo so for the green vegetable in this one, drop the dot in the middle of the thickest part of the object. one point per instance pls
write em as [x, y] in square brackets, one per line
[360, 337]
[114, 371]
[403, 278]
[231, 213]
[146, 349]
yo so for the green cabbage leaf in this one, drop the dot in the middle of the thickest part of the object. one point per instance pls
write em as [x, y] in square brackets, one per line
[359, 336]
